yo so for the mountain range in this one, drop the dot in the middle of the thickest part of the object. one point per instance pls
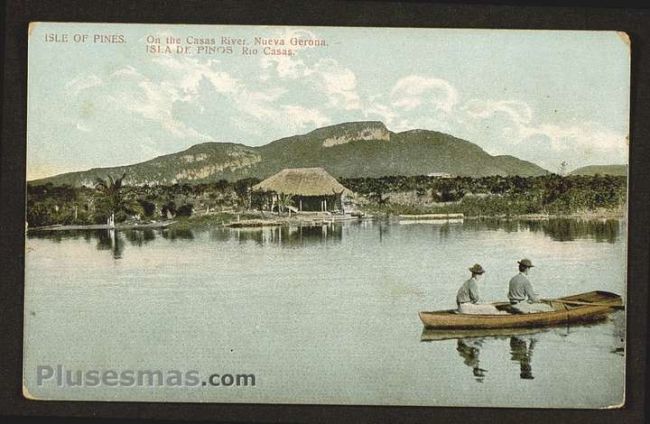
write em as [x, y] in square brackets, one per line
[354, 149]
[618, 170]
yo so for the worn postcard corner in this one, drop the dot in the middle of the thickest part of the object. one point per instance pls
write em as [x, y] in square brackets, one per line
[31, 26]
[625, 37]
[27, 394]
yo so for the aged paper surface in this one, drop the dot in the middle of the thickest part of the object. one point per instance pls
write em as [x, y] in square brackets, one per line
[326, 215]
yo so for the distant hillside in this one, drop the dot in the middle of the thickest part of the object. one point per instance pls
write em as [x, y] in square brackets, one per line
[620, 170]
[356, 149]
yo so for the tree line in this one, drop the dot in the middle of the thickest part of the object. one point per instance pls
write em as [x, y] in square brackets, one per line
[495, 195]
[49, 204]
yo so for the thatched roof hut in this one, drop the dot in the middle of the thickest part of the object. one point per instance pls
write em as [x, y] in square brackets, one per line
[302, 182]
[309, 188]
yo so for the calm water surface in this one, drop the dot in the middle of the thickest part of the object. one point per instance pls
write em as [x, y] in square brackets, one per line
[323, 314]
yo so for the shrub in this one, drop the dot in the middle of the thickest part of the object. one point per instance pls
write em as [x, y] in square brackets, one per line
[185, 210]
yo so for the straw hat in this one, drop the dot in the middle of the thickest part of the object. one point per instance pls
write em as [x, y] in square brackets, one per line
[477, 269]
[526, 263]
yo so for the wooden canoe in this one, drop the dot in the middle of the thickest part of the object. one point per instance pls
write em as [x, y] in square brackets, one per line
[584, 307]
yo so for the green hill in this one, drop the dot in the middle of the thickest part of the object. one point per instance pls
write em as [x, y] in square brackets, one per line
[356, 149]
[619, 170]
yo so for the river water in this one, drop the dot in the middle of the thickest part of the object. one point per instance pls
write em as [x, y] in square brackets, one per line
[324, 314]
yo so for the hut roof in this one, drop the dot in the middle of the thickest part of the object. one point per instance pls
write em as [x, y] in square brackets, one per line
[302, 182]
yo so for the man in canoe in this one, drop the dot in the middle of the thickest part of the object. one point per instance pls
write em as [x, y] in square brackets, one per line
[467, 297]
[521, 294]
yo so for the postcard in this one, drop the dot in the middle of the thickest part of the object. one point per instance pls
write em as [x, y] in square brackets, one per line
[326, 215]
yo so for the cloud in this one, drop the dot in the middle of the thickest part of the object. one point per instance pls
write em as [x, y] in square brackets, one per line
[416, 101]
[384, 113]
[500, 126]
[127, 71]
[516, 110]
[81, 83]
[189, 72]
[514, 121]
[325, 77]
[300, 117]
[284, 67]
[196, 99]
[589, 137]
[288, 118]
[153, 101]
[82, 127]
[510, 127]
[338, 83]
[206, 88]
[414, 91]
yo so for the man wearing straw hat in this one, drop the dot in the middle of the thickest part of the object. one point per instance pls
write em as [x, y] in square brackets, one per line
[521, 294]
[467, 298]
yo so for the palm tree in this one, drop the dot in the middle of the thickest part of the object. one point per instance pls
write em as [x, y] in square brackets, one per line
[112, 195]
[284, 201]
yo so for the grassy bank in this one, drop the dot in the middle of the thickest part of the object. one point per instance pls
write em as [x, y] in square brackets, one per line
[496, 207]
[211, 220]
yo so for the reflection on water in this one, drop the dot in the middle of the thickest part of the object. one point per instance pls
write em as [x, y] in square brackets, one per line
[140, 238]
[359, 283]
[110, 240]
[569, 230]
[521, 350]
[558, 229]
[174, 234]
[301, 235]
[285, 236]
[469, 350]
[520, 344]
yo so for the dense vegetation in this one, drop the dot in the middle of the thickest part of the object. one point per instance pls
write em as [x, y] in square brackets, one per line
[492, 196]
[49, 204]
[487, 196]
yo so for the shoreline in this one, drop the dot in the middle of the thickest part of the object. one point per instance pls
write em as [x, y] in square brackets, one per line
[133, 226]
[246, 220]
[545, 217]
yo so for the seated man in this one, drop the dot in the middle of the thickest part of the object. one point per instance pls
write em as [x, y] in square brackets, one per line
[467, 298]
[521, 294]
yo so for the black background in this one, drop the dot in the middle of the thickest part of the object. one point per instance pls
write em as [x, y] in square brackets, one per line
[578, 15]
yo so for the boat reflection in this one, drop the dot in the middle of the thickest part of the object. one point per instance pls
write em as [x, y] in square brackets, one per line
[469, 350]
[429, 335]
[470, 342]
[520, 343]
[521, 350]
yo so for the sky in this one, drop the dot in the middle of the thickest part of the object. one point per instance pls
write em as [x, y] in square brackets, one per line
[542, 96]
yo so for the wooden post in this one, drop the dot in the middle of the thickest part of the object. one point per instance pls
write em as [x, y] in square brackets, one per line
[300, 207]
[325, 203]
